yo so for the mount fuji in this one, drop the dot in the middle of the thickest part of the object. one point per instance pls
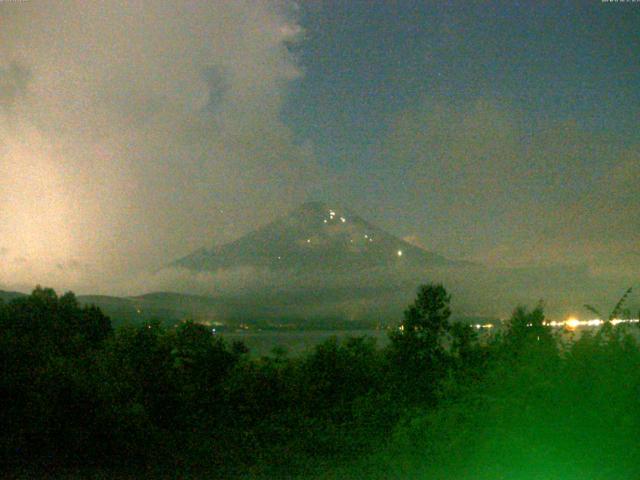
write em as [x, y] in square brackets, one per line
[317, 237]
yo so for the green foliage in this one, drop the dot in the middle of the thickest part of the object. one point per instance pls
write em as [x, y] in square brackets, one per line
[616, 311]
[427, 319]
[47, 344]
[418, 345]
[438, 402]
[527, 331]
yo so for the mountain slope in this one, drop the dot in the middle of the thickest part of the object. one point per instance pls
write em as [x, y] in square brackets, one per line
[7, 296]
[314, 236]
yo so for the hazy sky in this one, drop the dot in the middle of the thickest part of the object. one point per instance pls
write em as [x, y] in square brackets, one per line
[134, 132]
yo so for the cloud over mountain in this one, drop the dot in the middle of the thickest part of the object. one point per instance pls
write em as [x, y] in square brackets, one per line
[129, 131]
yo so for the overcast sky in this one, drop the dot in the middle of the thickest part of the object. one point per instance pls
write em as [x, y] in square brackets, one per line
[132, 133]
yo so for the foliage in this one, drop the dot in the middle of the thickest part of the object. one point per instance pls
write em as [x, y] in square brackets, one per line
[418, 345]
[438, 402]
[616, 311]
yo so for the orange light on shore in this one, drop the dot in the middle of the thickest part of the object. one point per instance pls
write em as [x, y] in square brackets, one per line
[572, 323]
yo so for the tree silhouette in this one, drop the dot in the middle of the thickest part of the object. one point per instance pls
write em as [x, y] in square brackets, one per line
[617, 309]
[418, 344]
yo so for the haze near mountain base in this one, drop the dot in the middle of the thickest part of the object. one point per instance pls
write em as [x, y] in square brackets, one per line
[325, 261]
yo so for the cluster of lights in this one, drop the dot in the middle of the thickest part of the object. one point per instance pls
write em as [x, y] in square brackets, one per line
[332, 216]
[572, 322]
[479, 326]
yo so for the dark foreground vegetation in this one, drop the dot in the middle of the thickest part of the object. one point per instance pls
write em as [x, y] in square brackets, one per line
[79, 399]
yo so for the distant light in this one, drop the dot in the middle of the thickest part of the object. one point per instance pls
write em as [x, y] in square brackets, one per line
[478, 326]
[342, 219]
[572, 323]
[325, 220]
[399, 253]
[366, 236]
[308, 240]
[279, 257]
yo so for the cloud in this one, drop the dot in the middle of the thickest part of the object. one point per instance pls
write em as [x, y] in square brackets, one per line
[13, 83]
[381, 294]
[515, 189]
[132, 133]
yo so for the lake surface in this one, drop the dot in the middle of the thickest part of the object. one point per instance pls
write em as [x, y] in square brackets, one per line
[295, 342]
